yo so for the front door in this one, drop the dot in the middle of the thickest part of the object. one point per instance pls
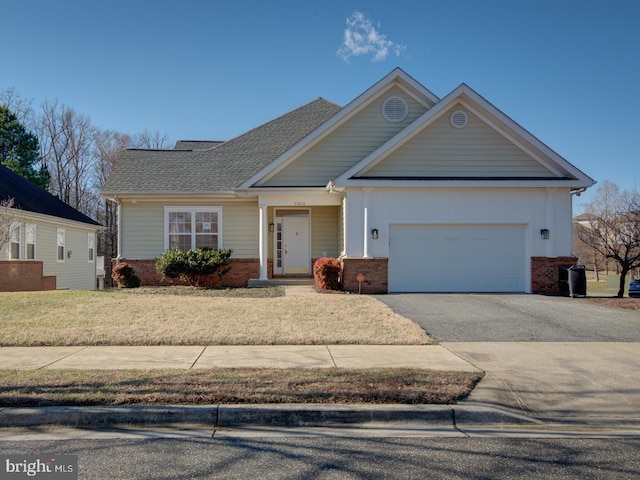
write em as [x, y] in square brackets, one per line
[292, 245]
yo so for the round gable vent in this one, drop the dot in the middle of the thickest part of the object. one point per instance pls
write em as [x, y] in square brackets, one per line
[459, 119]
[395, 109]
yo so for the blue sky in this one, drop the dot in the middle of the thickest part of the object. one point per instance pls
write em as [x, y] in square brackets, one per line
[566, 70]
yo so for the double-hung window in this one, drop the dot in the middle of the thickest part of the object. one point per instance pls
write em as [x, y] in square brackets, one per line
[30, 240]
[61, 249]
[91, 248]
[188, 228]
[14, 241]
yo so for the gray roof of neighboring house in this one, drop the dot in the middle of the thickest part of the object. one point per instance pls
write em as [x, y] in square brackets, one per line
[31, 198]
[196, 144]
[220, 168]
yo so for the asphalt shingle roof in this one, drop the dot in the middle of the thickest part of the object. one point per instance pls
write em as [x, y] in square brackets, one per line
[222, 167]
[31, 198]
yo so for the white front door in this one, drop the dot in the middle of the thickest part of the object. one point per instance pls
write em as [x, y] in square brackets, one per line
[292, 245]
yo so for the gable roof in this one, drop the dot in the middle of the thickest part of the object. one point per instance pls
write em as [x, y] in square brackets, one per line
[561, 169]
[31, 198]
[397, 77]
[220, 168]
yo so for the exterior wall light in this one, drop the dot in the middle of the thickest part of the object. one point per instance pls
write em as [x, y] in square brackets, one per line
[374, 233]
[271, 227]
[544, 234]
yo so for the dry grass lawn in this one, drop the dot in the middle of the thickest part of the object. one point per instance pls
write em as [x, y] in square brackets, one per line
[184, 316]
[20, 388]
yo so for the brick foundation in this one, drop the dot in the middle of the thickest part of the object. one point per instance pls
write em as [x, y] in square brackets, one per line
[17, 276]
[375, 271]
[242, 269]
[545, 273]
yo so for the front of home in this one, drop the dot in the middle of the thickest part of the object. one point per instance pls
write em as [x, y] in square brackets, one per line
[412, 192]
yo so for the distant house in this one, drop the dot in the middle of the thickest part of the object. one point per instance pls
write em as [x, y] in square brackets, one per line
[51, 245]
[414, 192]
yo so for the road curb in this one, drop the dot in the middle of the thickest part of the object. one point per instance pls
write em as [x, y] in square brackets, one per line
[285, 415]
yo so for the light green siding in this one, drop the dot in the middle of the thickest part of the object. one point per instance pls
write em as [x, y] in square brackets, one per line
[143, 230]
[324, 231]
[476, 150]
[347, 145]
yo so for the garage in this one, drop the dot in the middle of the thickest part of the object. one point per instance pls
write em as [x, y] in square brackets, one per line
[457, 258]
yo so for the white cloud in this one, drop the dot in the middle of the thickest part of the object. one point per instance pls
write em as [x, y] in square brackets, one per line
[362, 38]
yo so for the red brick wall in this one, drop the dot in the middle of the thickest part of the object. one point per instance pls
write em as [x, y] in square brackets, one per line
[242, 269]
[545, 272]
[17, 276]
[375, 271]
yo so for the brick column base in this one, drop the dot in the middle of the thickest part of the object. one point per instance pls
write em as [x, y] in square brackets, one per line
[242, 269]
[545, 273]
[375, 271]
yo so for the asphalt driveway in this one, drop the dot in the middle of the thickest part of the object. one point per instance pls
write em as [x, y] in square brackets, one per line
[515, 318]
[550, 358]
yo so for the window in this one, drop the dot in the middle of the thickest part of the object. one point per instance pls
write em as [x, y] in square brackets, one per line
[91, 247]
[193, 227]
[14, 241]
[30, 240]
[61, 249]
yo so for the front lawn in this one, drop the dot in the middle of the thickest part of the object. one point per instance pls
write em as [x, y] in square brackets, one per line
[187, 316]
[22, 388]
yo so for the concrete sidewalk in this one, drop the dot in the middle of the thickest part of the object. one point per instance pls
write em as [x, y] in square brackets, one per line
[433, 357]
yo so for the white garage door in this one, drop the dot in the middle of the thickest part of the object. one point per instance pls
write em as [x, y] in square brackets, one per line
[457, 258]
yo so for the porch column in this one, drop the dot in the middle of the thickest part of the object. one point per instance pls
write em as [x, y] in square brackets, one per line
[119, 227]
[262, 228]
[366, 233]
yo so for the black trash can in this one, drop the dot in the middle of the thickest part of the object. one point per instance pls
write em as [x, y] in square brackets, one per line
[577, 281]
[563, 281]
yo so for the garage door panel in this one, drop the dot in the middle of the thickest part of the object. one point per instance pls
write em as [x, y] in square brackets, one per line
[457, 258]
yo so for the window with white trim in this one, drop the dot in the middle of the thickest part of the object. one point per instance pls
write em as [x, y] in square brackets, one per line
[193, 227]
[91, 248]
[60, 244]
[14, 241]
[30, 240]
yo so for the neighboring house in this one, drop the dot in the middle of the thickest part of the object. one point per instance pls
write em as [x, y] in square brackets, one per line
[51, 245]
[415, 192]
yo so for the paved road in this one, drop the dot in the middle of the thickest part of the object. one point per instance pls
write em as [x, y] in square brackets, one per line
[346, 458]
[515, 318]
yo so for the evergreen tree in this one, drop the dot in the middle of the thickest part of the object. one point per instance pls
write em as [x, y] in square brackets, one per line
[19, 149]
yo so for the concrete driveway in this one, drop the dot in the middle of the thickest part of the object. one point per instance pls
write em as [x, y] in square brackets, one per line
[550, 358]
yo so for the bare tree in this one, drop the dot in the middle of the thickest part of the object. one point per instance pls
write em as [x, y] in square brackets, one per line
[107, 147]
[613, 228]
[66, 142]
[150, 140]
[22, 108]
[7, 221]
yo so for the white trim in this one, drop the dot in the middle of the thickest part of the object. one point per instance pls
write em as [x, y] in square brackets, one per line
[192, 210]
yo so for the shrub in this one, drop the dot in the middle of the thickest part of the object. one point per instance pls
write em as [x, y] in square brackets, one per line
[326, 273]
[124, 276]
[193, 266]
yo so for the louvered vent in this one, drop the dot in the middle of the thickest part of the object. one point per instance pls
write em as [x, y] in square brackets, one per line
[395, 109]
[459, 119]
